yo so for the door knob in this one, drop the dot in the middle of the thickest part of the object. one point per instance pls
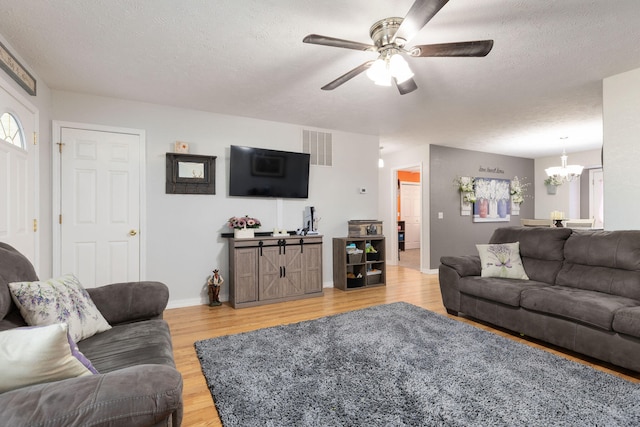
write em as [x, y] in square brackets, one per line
[132, 233]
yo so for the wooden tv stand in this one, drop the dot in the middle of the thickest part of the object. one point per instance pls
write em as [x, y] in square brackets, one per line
[265, 270]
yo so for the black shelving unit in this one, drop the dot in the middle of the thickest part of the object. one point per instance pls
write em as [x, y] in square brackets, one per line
[400, 237]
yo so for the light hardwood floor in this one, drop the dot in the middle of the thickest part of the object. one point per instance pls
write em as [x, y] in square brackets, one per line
[191, 324]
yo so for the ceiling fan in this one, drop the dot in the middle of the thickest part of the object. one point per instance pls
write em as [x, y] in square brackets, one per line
[390, 35]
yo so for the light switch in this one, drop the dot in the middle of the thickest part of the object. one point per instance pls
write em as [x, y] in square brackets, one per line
[440, 215]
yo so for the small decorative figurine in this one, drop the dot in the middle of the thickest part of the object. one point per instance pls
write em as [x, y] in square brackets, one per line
[214, 281]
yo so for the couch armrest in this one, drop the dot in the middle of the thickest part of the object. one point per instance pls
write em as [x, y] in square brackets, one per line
[142, 395]
[451, 270]
[131, 301]
[467, 265]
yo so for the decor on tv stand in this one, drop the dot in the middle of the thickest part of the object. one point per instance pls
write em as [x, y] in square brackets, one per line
[467, 193]
[243, 226]
[552, 184]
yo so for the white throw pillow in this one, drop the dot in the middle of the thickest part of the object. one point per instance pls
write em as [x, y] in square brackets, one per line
[38, 355]
[61, 300]
[502, 260]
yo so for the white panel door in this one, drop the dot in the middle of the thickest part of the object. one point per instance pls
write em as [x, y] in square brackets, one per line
[100, 206]
[18, 178]
[410, 213]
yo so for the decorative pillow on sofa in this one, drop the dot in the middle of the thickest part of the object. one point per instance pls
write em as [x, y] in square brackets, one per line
[502, 260]
[39, 355]
[61, 300]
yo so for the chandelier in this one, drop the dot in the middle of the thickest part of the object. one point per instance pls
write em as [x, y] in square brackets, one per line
[564, 172]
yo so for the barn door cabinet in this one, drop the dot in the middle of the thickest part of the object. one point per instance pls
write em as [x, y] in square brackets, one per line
[267, 269]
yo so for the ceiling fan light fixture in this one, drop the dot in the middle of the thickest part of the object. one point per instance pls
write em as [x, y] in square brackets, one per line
[399, 68]
[379, 73]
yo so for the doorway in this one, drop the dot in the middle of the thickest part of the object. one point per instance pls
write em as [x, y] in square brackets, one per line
[98, 193]
[409, 216]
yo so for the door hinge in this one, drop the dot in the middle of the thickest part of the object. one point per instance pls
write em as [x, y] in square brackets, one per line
[60, 144]
[35, 225]
[35, 138]
[60, 219]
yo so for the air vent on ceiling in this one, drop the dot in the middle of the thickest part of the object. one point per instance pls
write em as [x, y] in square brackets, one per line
[318, 144]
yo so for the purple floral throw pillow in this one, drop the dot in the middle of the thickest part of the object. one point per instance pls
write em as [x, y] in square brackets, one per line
[60, 300]
[502, 260]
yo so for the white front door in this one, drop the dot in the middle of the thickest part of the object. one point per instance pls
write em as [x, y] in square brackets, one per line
[18, 173]
[410, 213]
[100, 179]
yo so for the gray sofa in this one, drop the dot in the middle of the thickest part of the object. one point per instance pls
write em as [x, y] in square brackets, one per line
[138, 384]
[583, 293]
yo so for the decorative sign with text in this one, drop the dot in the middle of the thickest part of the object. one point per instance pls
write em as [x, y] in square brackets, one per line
[490, 170]
[10, 64]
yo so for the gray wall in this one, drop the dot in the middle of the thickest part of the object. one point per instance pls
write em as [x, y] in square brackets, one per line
[456, 234]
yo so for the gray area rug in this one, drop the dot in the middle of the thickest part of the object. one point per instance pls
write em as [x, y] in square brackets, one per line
[401, 365]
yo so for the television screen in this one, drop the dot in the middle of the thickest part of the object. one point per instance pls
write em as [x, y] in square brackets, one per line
[258, 172]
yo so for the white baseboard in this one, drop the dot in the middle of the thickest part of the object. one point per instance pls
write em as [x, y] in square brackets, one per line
[186, 303]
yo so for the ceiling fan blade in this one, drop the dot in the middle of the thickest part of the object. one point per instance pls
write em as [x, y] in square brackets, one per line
[347, 76]
[331, 41]
[475, 48]
[406, 86]
[420, 13]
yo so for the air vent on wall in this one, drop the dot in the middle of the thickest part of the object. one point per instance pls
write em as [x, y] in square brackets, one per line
[318, 144]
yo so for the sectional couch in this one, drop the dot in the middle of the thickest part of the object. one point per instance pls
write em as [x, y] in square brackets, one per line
[583, 292]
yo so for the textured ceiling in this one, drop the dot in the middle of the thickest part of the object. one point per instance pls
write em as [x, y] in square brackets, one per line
[542, 80]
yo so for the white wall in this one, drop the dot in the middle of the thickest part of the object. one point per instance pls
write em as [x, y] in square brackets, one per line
[621, 112]
[183, 242]
[567, 197]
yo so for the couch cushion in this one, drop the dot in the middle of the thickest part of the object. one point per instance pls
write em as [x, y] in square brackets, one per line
[627, 321]
[541, 249]
[14, 267]
[146, 342]
[505, 291]
[604, 261]
[588, 307]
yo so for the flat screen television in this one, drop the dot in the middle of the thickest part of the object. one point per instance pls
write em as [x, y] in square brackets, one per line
[259, 172]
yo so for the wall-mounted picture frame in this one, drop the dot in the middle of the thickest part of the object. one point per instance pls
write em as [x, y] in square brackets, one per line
[190, 174]
[493, 200]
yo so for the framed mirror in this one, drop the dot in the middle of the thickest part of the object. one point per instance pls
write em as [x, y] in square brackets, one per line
[190, 174]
